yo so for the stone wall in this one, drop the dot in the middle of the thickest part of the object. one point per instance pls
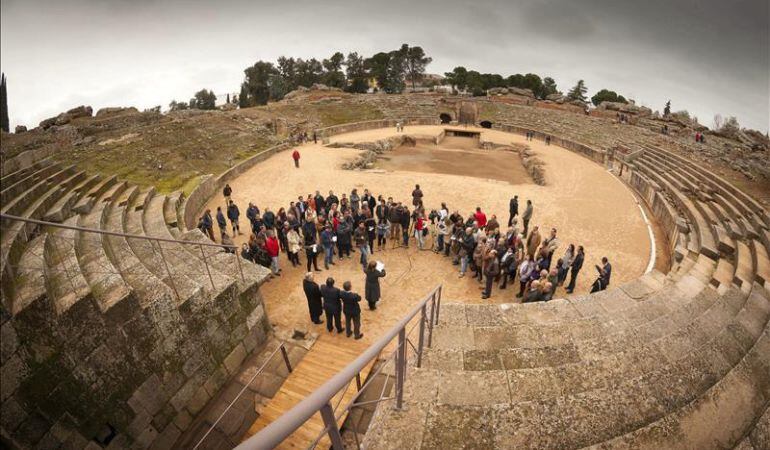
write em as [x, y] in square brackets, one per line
[138, 373]
[327, 132]
[594, 154]
[210, 185]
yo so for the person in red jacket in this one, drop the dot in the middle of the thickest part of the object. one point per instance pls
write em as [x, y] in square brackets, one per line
[272, 247]
[480, 217]
[295, 157]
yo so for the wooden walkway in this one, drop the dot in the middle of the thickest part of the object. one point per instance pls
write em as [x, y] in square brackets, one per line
[329, 355]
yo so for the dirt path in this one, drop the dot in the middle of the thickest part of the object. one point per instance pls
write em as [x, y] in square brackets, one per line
[581, 200]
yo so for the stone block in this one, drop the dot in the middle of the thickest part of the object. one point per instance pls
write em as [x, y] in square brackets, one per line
[11, 414]
[183, 420]
[8, 341]
[146, 438]
[149, 395]
[12, 373]
[167, 438]
[32, 429]
[215, 382]
[185, 394]
[234, 360]
[448, 427]
[137, 426]
[198, 401]
[255, 317]
[473, 388]
[193, 363]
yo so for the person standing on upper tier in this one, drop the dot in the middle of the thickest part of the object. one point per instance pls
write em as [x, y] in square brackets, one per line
[295, 157]
[513, 209]
[527, 216]
[417, 196]
[577, 264]
[227, 191]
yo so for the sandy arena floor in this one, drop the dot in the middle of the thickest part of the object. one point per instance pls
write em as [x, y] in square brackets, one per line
[584, 202]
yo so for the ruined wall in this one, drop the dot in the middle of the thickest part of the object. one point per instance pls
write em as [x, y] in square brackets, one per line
[141, 373]
[327, 132]
[594, 154]
[210, 185]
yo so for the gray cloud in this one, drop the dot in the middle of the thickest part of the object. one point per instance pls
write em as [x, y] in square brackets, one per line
[706, 56]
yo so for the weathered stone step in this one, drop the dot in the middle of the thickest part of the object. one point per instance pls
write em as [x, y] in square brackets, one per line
[62, 209]
[763, 264]
[717, 419]
[29, 282]
[177, 256]
[226, 263]
[148, 253]
[105, 280]
[87, 201]
[149, 289]
[16, 233]
[66, 284]
[20, 203]
[11, 191]
[14, 177]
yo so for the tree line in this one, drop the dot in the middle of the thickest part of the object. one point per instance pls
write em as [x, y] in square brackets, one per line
[393, 70]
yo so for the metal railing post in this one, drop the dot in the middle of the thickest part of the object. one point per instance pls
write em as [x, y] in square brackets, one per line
[438, 302]
[206, 263]
[327, 413]
[168, 271]
[358, 381]
[400, 368]
[421, 337]
[238, 263]
[432, 318]
[286, 358]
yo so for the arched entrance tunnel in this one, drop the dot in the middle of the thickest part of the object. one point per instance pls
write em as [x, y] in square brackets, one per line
[445, 118]
[485, 124]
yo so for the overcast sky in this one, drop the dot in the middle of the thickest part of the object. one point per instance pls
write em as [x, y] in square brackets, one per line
[707, 56]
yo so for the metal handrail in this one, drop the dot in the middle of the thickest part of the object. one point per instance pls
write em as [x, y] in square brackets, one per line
[282, 348]
[112, 233]
[200, 245]
[320, 399]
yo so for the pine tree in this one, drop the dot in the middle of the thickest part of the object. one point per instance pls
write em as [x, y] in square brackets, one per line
[243, 97]
[228, 99]
[4, 122]
[667, 109]
[578, 92]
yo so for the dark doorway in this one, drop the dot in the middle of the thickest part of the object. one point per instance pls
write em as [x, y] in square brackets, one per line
[445, 118]
[485, 124]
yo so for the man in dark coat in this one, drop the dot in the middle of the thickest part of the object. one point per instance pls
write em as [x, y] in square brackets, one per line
[320, 202]
[372, 286]
[313, 294]
[311, 245]
[577, 264]
[352, 310]
[332, 305]
[405, 219]
[233, 213]
[513, 209]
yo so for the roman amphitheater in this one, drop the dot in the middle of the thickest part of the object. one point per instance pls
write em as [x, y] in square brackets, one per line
[124, 326]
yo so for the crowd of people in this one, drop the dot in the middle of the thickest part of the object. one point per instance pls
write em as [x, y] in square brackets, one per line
[337, 226]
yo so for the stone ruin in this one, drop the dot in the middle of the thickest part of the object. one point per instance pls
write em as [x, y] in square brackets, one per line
[467, 113]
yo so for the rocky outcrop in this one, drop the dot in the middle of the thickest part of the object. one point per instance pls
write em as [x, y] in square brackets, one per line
[534, 165]
[315, 87]
[109, 111]
[67, 117]
[372, 150]
[511, 91]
